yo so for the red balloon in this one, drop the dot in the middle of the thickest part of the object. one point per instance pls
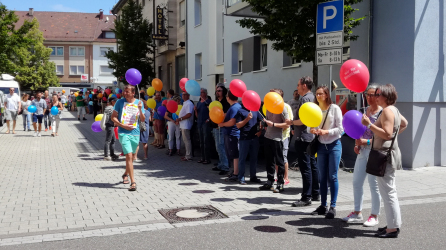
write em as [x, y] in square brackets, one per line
[251, 100]
[172, 106]
[118, 96]
[104, 99]
[95, 90]
[108, 91]
[116, 133]
[183, 84]
[237, 87]
[354, 75]
[164, 103]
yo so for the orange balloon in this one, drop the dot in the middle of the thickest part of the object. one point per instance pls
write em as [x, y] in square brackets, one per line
[100, 95]
[274, 103]
[157, 84]
[217, 115]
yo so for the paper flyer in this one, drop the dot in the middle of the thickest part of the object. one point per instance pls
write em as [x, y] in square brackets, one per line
[130, 114]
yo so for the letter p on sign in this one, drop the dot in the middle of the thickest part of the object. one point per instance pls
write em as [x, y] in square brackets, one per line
[326, 8]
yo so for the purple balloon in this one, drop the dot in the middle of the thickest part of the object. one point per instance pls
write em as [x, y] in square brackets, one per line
[162, 111]
[133, 76]
[352, 124]
[96, 126]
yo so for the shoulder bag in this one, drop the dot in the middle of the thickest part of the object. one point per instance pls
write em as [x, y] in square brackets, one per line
[377, 162]
[314, 144]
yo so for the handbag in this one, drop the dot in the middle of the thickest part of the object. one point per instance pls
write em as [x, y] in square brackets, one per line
[377, 162]
[314, 144]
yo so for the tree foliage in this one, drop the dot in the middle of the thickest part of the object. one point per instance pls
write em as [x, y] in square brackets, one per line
[134, 35]
[291, 26]
[22, 53]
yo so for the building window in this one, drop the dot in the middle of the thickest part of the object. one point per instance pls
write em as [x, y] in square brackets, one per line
[77, 70]
[160, 72]
[197, 12]
[182, 13]
[105, 70]
[57, 51]
[289, 61]
[109, 35]
[295, 61]
[198, 67]
[264, 53]
[59, 69]
[240, 57]
[143, 3]
[104, 50]
[77, 51]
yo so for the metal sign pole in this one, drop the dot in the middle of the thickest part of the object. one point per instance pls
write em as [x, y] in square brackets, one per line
[331, 79]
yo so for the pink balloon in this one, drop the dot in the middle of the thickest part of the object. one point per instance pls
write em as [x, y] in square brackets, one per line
[183, 83]
[354, 75]
[237, 87]
[251, 100]
[164, 103]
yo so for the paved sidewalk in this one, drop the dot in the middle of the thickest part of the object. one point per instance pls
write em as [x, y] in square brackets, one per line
[60, 184]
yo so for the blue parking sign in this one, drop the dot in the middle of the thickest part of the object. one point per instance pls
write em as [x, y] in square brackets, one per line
[330, 16]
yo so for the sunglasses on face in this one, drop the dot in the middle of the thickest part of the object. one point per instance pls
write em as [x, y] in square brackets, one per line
[370, 95]
[378, 94]
[219, 91]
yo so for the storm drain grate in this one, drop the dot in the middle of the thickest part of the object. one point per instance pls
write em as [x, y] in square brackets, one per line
[190, 214]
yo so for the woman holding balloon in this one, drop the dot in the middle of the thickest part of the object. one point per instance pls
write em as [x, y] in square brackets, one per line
[329, 150]
[173, 128]
[56, 108]
[362, 148]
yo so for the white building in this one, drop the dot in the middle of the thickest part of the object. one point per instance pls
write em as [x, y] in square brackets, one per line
[102, 74]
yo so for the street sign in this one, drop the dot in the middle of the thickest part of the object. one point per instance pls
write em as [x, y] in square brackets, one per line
[330, 17]
[329, 56]
[329, 40]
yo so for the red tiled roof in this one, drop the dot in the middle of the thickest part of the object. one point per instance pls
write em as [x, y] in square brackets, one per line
[62, 26]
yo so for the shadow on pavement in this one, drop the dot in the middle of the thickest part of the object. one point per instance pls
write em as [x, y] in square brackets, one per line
[100, 185]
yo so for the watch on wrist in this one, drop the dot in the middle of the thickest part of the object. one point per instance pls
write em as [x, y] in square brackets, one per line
[368, 126]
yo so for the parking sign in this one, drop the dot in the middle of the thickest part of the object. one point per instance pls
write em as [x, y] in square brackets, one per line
[330, 32]
[330, 16]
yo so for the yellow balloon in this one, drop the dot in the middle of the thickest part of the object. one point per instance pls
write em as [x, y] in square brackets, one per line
[310, 114]
[264, 110]
[315, 155]
[151, 91]
[215, 104]
[151, 103]
[274, 103]
[179, 109]
[110, 95]
[98, 117]
[76, 94]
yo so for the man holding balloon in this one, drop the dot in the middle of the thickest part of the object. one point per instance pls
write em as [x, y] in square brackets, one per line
[38, 108]
[186, 120]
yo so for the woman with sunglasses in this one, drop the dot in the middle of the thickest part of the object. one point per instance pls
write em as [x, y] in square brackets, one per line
[362, 148]
[329, 151]
[389, 124]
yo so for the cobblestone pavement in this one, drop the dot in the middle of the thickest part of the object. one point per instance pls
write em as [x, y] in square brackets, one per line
[60, 185]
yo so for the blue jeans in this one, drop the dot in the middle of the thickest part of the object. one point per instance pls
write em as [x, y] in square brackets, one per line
[328, 159]
[220, 146]
[26, 121]
[245, 147]
[90, 109]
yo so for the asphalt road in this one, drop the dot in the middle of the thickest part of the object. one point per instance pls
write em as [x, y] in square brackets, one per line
[422, 229]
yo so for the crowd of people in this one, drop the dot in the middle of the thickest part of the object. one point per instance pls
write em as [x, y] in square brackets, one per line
[238, 137]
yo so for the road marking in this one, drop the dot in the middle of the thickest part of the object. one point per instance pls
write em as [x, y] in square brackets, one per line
[161, 226]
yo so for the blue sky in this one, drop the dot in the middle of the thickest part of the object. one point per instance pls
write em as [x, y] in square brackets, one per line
[89, 6]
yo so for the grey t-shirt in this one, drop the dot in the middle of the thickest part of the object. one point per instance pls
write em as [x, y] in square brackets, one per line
[300, 131]
[275, 133]
[40, 105]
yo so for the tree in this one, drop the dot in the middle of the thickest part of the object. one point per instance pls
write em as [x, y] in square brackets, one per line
[23, 54]
[134, 36]
[37, 72]
[292, 26]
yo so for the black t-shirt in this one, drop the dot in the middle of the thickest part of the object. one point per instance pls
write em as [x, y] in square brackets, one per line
[250, 129]
[226, 106]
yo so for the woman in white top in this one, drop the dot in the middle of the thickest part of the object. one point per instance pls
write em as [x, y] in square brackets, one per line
[362, 148]
[55, 119]
[63, 99]
[25, 113]
[329, 151]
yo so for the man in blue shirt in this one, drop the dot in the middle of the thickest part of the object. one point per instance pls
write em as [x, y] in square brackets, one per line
[232, 135]
[128, 133]
[250, 127]
[204, 130]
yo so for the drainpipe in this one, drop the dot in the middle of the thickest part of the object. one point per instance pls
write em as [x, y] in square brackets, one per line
[370, 38]
[187, 43]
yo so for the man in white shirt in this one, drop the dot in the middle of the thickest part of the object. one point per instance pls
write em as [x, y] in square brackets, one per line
[186, 120]
[13, 106]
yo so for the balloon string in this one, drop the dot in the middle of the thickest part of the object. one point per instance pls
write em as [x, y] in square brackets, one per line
[363, 102]
[261, 115]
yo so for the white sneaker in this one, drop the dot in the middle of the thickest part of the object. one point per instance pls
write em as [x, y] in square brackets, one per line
[38, 135]
[353, 217]
[371, 222]
[107, 158]
[35, 134]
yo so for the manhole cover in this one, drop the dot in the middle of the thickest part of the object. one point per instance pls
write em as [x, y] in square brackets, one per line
[189, 214]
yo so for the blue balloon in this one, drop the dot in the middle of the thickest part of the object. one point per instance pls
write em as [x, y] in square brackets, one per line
[32, 109]
[90, 103]
[85, 90]
[117, 91]
[90, 95]
[114, 96]
[193, 88]
[54, 110]
[83, 96]
[174, 116]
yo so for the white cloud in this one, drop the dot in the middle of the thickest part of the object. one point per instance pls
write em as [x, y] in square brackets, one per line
[61, 8]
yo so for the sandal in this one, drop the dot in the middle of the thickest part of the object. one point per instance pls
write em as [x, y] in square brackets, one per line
[132, 186]
[206, 162]
[201, 161]
[124, 181]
